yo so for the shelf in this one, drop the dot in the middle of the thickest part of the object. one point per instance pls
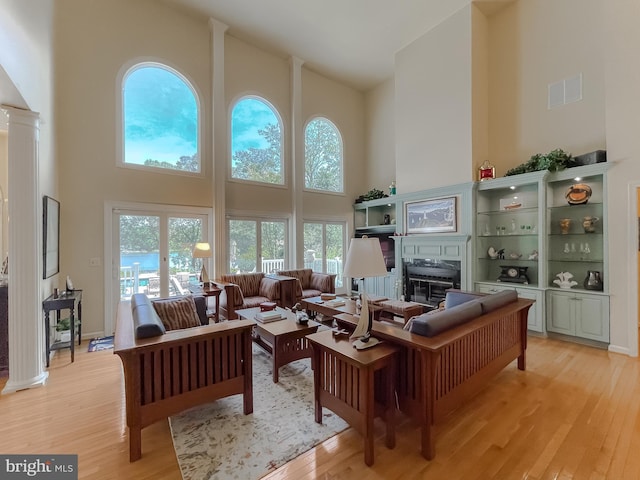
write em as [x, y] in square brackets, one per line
[503, 260]
[575, 208]
[515, 211]
[579, 234]
[576, 260]
[515, 235]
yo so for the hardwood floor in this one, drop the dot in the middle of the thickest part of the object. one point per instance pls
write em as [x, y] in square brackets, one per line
[574, 414]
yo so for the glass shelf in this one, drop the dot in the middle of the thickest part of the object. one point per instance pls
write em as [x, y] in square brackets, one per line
[515, 211]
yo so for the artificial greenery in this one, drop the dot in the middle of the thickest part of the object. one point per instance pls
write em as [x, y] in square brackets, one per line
[553, 161]
[373, 194]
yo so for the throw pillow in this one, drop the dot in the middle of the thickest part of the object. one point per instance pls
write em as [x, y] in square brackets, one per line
[177, 313]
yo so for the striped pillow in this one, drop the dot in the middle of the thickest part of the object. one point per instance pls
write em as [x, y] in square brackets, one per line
[177, 313]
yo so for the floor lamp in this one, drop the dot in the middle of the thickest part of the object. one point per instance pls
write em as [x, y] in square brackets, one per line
[364, 260]
[203, 250]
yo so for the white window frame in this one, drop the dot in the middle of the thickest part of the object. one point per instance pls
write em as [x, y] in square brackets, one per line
[121, 79]
[342, 169]
[283, 164]
[260, 219]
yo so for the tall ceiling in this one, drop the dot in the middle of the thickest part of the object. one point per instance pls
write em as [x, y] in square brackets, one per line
[353, 41]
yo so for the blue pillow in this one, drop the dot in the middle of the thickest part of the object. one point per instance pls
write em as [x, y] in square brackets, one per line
[453, 299]
[430, 325]
[497, 300]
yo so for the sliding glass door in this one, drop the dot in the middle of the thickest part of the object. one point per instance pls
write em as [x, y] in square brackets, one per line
[154, 251]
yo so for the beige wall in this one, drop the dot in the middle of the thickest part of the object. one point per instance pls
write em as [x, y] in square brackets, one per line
[524, 58]
[433, 107]
[380, 137]
[345, 108]
[88, 61]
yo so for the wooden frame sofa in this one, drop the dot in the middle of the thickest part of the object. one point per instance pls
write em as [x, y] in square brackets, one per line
[437, 374]
[168, 372]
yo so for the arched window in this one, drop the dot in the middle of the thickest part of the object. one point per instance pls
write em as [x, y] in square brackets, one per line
[323, 156]
[256, 142]
[160, 119]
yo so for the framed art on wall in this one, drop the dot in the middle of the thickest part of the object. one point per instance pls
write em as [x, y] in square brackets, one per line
[431, 216]
[51, 237]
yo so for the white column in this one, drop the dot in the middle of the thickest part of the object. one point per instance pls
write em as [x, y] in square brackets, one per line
[297, 160]
[219, 147]
[26, 326]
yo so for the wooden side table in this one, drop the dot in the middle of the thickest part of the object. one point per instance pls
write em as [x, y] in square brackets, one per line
[344, 381]
[209, 290]
[66, 300]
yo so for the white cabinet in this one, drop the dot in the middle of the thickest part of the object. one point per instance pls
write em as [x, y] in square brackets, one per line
[382, 286]
[509, 230]
[375, 215]
[584, 315]
[535, 321]
[577, 251]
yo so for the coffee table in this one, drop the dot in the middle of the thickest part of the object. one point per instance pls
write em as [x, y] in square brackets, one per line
[284, 339]
[316, 304]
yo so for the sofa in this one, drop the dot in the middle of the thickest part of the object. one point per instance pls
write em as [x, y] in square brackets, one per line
[310, 283]
[246, 290]
[174, 360]
[448, 355]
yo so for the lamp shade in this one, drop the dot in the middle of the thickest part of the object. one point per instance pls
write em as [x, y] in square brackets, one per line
[364, 259]
[202, 250]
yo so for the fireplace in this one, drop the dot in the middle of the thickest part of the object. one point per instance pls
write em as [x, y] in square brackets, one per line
[426, 280]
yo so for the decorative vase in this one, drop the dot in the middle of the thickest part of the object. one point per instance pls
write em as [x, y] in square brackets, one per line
[589, 224]
[593, 280]
[565, 225]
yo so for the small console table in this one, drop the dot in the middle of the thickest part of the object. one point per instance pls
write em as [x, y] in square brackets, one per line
[68, 300]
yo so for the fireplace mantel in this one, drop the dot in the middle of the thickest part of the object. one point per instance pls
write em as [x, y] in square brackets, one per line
[437, 247]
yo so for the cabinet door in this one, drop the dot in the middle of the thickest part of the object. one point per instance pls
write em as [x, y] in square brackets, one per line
[534, 319]
[560, 313]
[592, 317]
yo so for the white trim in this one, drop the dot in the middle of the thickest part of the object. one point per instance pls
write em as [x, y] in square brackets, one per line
[109, 241]
[632, 272]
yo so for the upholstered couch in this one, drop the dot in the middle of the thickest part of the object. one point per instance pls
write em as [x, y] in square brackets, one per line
[246, 290]
[310, 283]
[174, 360]
[449, 355]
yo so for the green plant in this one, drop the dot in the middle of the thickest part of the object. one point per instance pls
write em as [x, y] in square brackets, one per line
[553, 161]
[373, 194]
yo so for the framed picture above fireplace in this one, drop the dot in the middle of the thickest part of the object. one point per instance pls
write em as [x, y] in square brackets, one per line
[431, 216]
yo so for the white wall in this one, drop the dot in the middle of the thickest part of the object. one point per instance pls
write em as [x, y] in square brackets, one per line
[380, 137]
[620, 37]
[524, 58]
[433, 107]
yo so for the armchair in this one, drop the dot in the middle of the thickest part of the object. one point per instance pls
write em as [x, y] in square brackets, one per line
[310, 283]
[246, 290]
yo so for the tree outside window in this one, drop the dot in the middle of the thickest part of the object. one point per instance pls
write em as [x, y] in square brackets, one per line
[257, 245]
[160, 119]
[323, 156]
[324, 248]
[256, 142]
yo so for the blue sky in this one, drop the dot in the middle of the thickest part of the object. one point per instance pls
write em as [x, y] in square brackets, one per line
[250, 115]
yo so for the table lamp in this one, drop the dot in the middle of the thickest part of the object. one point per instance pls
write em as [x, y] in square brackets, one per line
[364, 259]
[203, 250]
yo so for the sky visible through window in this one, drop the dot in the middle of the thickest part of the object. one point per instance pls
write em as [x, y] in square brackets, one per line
[160, 117]
[249, 116]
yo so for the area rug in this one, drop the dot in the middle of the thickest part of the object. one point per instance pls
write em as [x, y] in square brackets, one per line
[216, 441]
[102, 343]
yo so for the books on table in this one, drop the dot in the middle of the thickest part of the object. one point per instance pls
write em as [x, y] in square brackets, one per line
[270, 316]
[335, 303]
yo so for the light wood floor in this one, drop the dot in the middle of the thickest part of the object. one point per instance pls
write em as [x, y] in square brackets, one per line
[574, 414]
